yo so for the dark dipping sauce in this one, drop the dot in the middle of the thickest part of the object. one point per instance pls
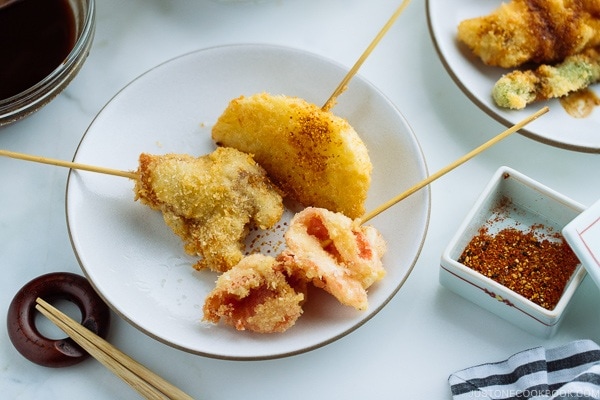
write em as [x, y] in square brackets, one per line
[35, 37]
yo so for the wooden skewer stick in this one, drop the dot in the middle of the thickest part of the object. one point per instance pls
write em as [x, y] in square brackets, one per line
[69, 164]
[342, 86]
[140, 378]
[453, 165]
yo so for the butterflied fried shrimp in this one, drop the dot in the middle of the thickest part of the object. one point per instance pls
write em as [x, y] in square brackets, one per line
[533, 31]
[315, 157]
[518, 88]
[256, 295]
[334, 253]
[210, 201]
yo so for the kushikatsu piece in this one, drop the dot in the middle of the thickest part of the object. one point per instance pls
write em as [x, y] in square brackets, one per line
[519, 88]
[314, 156]
[532, 31]
[335, 253]
[209, 201]
[256, 295]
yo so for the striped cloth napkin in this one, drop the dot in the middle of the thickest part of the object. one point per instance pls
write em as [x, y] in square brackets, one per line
[571, 371]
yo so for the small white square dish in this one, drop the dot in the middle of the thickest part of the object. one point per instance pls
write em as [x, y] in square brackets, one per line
[583, 234]
[509, 257]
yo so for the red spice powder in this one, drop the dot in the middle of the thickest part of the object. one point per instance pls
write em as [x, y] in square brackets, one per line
[531, 263]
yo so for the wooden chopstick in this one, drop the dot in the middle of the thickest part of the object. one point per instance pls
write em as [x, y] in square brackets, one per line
[68, 164]
[450, 167]
[140, 378]
[342, 86]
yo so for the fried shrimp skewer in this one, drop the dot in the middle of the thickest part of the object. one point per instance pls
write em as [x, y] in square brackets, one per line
[532, 31]
[209, 201]
[335, 253]
[329, 250]
[517, 89]
[256, 295]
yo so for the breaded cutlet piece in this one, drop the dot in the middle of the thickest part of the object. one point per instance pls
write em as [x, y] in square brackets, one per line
[210, 201]
[314, 156]
[532, 31]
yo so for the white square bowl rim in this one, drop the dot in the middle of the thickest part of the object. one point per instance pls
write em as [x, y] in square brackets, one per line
[474, 276]
[572, 232]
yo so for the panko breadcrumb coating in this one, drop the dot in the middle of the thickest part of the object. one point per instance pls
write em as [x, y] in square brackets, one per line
[519, 88]
[532, 31]
[266, 294]
[314, 156]
[335, 253]
[255, 295]
[209, 201]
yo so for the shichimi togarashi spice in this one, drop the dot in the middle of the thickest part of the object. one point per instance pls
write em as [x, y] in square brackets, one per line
[533, 265]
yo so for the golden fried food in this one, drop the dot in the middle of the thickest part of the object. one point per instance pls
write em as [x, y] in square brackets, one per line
[335, 253]
[210, 201]
[255, 295]
[533, 31]
[519, 88]
[315, 157]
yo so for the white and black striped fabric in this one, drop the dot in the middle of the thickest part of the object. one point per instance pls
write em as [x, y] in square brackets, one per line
[571, 371]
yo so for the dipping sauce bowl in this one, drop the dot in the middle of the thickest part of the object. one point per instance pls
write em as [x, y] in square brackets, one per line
[44, 44]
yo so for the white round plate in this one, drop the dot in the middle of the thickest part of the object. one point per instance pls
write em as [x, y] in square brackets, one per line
[138, 265]
[557, 128]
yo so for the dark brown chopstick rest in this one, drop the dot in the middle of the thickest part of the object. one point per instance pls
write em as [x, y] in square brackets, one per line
[55, 286]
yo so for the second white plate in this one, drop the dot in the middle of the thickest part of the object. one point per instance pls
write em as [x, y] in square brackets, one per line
[476, 80]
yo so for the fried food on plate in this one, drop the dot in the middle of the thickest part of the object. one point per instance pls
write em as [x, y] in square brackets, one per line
[533, 31]
[314, 156]
[518, 88]
[256, 295]
[335, 253]
[209, 201]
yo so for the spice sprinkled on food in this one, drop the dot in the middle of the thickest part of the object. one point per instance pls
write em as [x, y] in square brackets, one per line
[532, 263]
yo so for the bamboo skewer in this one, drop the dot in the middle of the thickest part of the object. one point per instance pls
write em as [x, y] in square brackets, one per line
[140, 378]
[378, 210]
[450, 167]
[132, 175]
[68, 164]
[342, 86]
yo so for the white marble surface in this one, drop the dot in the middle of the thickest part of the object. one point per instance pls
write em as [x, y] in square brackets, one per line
[409, 348]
